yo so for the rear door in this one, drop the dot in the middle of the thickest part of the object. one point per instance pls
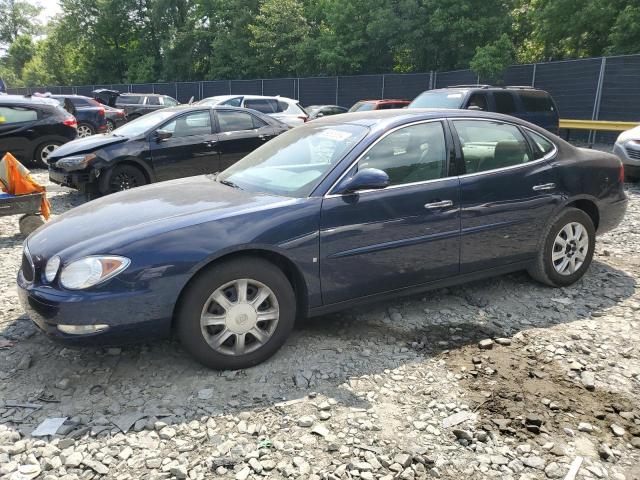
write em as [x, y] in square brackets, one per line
[191, 150]
[16, 130]
[406, 234]
[507, 194]
[239, 133]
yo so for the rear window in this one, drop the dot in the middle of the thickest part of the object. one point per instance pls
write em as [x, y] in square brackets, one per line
[261, 105]
[128, 99]
[536, 101]
[505, 102]
[153, 101]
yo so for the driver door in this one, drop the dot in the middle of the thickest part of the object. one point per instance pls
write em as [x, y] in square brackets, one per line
[406, 234]
[191, 150]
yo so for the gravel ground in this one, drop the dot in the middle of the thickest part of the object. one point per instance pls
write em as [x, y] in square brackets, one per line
[502, 378]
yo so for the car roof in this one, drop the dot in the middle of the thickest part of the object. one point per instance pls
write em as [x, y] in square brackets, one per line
[487, 88]
[383, 119]
[222, 98]
[26, 100]
[386, 100]
[129, 94]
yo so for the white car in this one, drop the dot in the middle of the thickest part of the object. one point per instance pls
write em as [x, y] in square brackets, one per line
[627, 148]
[285, 109]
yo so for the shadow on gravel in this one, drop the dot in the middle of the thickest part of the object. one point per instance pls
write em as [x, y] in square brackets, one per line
[327, 355]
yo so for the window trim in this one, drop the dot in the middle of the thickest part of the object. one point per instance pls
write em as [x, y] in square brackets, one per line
[442, 122]
[254, 129]
[511, 167]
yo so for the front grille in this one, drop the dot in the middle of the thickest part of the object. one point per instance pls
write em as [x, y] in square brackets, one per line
[27, 266]
[635, 154]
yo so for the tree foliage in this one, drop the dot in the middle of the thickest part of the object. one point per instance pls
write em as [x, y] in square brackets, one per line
[121, 41]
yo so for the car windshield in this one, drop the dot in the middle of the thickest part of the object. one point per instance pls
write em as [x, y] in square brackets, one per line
[293, 163]
[362, 107]
[208, 101]
[143, 124]
[438, 100]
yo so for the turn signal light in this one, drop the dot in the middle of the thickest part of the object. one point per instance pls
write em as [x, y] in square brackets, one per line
[621, 173]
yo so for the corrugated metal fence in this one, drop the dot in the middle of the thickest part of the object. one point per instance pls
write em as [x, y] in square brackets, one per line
[605, 88]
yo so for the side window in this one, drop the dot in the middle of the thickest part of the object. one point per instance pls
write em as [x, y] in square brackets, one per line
[231, 121]
[282, 106]
[153, 101]
[411, 154]
[504, 102]
[17, 115]
[544, 146]
[169, 102]
[257, 122]
[478, 101]
[195, 123]
[128, 100]
[79, 102]
[261, 104]
[233, 102]
[490, 145]
[536, 101]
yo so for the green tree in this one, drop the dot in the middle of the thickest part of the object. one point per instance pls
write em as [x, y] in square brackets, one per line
[625, 34]
[17, 17]
[491, 61]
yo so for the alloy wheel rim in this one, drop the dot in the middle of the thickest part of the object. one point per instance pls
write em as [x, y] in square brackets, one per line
[84, 131]
[570, 248]
[123, 181]
[239, 317]
[46, 151]
[109, 127]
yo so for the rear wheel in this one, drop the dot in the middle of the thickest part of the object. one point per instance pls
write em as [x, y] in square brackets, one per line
[85, 130]
[110, 126]
[43, 151]
[567, 251]
[124, 177]
[236, 314]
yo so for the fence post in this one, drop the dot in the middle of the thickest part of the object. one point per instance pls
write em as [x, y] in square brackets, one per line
[533, 77]
[262, 86]
[382, 87]
[229, 86]
[337, 85]
[597, 100]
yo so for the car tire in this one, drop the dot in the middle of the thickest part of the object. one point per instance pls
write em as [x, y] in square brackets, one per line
[111, 126]
[85, 130]
[122, 177]
[236, 338]
[567, 249]
[43, 151]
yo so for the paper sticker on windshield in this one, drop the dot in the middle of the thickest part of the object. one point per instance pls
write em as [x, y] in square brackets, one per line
[336, 135]
[454, 95]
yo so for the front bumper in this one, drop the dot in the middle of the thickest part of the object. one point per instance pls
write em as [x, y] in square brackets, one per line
[131, 316]
[84, 181]
[629, 152]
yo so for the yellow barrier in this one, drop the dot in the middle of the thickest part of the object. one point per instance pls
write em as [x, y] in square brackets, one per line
[600, 125]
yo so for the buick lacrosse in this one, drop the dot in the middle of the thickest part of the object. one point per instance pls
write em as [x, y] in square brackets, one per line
[342, 210]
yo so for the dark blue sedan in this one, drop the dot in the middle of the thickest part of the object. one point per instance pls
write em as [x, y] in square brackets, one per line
[342, 210]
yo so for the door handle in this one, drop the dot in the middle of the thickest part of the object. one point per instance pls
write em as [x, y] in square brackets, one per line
[210, 144]
[544, 186]
[263, 137]
[442, 204]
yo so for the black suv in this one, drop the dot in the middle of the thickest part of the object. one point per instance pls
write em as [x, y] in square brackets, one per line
[528, 103]
[31, 128]
[137, 104]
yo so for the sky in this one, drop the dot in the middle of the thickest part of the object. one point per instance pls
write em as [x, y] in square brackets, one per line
[49, 8]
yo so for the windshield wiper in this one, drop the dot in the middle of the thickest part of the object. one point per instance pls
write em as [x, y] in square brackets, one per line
[229, 184]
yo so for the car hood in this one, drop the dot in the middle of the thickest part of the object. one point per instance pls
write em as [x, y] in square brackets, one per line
[124, 217]
[84, 145]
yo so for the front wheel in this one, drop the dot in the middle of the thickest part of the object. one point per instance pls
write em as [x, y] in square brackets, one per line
[567, 249]
[111, 126]
[43, 152]
[123, 177]
[236, 314]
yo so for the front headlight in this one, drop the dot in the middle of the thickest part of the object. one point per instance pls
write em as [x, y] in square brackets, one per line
[51, 270]
[75, 162]
[89, 271]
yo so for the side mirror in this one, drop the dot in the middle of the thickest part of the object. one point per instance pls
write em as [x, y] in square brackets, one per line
[319, 114]
[365, 179]
[163, 135]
